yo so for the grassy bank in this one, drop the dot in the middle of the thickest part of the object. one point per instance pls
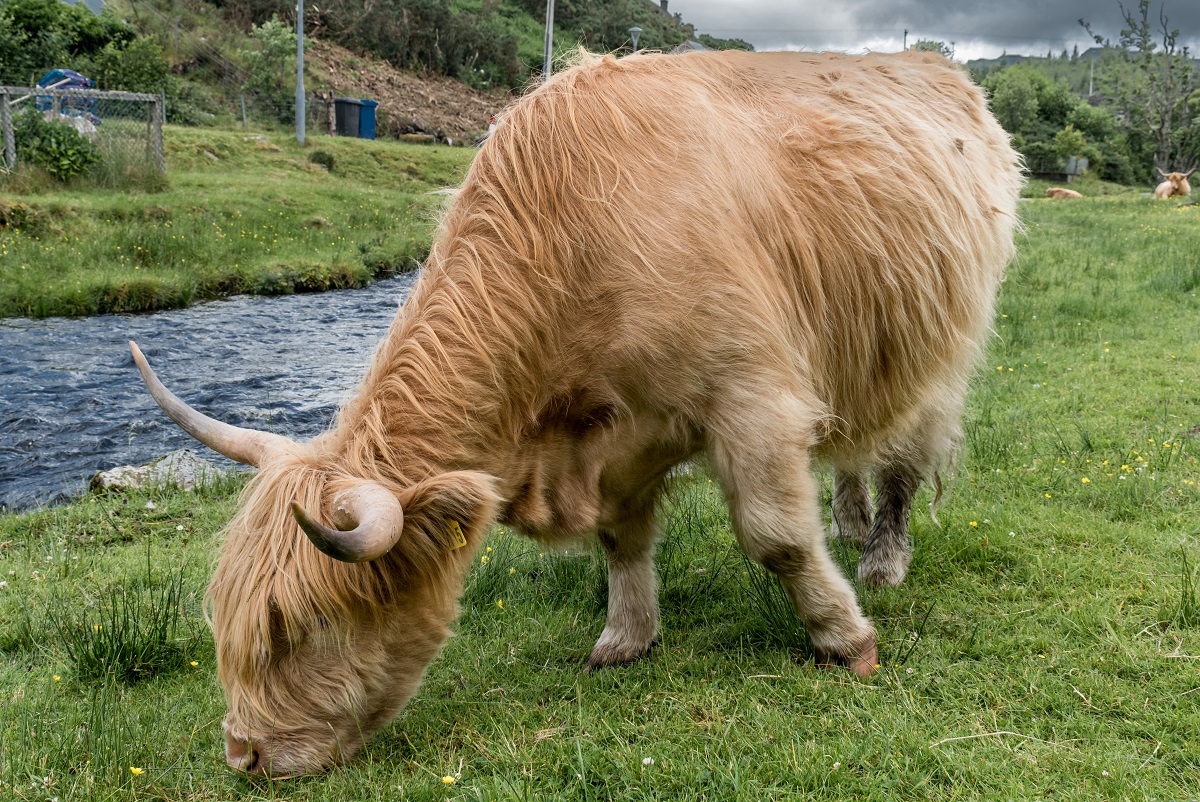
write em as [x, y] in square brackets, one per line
[242, 213]
[1044, 646]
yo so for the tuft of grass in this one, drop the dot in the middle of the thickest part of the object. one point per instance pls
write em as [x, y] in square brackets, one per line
[138, 630]
[1186, 611]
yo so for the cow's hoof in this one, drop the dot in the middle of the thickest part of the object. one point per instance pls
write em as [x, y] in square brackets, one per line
[863, 661]
[612, 652]
[878, 571]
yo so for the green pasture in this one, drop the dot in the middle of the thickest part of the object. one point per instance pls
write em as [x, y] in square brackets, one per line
[239, 212]
[1046, 645]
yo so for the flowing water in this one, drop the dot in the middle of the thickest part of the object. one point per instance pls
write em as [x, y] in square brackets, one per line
[72, 403]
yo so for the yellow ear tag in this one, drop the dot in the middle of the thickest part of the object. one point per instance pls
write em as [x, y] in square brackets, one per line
[460, 539]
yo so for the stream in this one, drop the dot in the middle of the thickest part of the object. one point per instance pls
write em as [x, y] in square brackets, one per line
[72, 403]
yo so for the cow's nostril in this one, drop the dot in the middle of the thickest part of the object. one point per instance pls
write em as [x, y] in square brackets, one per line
[241, 755]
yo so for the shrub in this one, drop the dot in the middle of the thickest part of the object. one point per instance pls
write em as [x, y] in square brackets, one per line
[56, 147]
[323, 158]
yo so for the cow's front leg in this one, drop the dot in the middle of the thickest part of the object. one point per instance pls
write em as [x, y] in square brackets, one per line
[761, 453]
[632, 623]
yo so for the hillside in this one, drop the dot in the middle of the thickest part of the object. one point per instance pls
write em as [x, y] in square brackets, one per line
[436, 66]
[407, 100]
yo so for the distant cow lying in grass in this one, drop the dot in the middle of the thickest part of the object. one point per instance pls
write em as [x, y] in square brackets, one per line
[1062, 194]
[1175, 186]
[651, 258]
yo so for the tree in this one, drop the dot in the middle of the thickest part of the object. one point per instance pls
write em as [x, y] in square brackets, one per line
[932, 46]
[38, 35]
[1155, 94]
[1069, 142]
[1014, 101]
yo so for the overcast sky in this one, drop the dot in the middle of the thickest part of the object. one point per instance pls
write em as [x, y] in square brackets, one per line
[978, 28]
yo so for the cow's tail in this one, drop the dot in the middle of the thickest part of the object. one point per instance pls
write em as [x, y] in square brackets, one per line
[940, 488]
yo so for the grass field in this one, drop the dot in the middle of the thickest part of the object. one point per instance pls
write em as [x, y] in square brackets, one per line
[241, 213]
[1044, 646]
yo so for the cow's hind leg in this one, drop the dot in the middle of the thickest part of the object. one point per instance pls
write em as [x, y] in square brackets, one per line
[888, 548]
[852, 510]
[632, 623]
[773, 499]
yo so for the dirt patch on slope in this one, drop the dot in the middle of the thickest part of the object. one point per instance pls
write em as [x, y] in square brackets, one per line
[408, 102]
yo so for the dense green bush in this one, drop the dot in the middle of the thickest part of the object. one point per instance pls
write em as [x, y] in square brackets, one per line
[134, 66]
[56, 147]
[37, 36]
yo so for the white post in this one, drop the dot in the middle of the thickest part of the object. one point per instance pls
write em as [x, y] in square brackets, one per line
[300, 71]
[548, 63]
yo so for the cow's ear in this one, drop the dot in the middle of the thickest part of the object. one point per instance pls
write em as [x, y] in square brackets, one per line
[447, 512]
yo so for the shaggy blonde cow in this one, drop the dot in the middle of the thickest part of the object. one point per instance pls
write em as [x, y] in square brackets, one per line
[1059, 193]
[773, 259]
[1175, 186]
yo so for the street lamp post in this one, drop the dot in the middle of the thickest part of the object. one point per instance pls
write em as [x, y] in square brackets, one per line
[548, 62]
[635, 32]
[300, 71]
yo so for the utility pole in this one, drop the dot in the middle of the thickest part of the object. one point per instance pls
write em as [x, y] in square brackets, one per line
[905, 40]
[548, 63]
[300, 71]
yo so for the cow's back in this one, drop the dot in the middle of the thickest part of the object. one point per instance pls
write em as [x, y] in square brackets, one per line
[841, 222]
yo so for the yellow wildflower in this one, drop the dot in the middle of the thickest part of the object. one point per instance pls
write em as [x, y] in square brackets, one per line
[135, 770]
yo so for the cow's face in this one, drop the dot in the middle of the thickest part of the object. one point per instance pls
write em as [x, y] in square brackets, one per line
[324, 631]
[316, 654]
[304, 695]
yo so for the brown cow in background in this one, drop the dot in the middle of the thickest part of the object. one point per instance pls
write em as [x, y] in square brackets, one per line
[1062, 194]
[773, 259]
[1175, 186]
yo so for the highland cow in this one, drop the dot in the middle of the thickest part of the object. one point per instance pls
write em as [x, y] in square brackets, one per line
[1175, 186]
[1058, 193]
[771, 259]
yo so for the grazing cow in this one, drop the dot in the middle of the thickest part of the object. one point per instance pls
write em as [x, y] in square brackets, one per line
[1175, 186]
[1062, 194]
[768, 258]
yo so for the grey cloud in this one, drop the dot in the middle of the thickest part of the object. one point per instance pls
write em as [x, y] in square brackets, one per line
[1015, 26]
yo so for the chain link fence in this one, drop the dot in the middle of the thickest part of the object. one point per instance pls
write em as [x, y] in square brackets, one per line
[125, 127]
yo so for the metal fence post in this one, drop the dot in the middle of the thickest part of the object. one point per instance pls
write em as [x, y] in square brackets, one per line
[10, 144]
[159, 112]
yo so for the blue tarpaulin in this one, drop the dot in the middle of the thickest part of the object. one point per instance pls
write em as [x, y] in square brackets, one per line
[71, 106]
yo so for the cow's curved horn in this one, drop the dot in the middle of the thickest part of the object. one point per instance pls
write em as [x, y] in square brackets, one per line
[1189, 172]
[369, 521]
[246, 446]
[1160, 172]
